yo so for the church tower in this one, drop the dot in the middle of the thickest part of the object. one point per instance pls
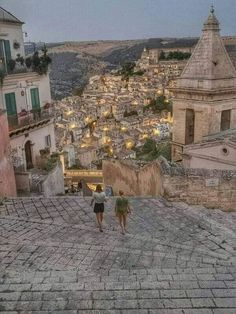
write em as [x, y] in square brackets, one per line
[205, 97]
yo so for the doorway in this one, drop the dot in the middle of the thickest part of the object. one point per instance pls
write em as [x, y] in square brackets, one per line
[28, 155]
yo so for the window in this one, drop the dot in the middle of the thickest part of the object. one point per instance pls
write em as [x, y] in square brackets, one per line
[225, 151]
[35, 101]
[10, 100]
[225, 120]
[189, 128]
[5, 52]
[48, 140]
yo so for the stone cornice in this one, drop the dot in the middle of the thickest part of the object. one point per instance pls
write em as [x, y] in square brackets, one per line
[30, 128]
[205, 157]
[205, 92]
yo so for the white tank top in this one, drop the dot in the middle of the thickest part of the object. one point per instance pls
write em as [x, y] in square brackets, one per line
[99, 198]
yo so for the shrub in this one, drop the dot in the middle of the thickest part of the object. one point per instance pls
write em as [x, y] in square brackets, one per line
[20, 59]
[11, 64]
[28, 62]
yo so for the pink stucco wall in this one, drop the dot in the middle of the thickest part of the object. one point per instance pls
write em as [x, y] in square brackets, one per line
[7, 177]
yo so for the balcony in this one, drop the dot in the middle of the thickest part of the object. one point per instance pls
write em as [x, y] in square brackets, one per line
[36, 63]
[26, 120]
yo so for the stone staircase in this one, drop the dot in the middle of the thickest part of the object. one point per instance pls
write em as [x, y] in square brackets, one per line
[175, 259]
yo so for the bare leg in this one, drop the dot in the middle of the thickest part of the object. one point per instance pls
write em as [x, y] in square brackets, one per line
[121, 224]
[98, 220]
[125, 221]
[101, 219]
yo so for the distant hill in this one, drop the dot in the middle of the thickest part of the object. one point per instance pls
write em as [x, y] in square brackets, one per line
[74, 62]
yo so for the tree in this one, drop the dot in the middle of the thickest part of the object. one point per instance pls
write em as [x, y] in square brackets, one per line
[78, 91]
[127, 70]
[149, 146]
[178, 55]
[162, 55]
[163, 149]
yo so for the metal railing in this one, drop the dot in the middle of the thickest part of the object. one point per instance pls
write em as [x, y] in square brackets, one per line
[25, 118]
[84, 173]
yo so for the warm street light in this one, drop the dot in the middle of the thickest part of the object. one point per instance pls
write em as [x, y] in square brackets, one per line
[72, 126]
[69, 112]
[129, 144]
[156, 132]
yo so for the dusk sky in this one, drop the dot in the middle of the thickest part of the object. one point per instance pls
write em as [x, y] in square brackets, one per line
[82, 20]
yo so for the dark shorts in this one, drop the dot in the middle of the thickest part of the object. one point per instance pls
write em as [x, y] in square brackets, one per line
[99, 208]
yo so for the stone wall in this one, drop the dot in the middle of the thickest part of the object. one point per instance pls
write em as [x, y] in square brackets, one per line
[23, 181]
[211, 188]
[121, 176]
[54, 182]
[7, 177]
[131, 179]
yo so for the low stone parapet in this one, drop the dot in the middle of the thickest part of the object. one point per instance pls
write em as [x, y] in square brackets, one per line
[53, 184]
[211, 188]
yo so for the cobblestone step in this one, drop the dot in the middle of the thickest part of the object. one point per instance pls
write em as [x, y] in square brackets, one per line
[174, 260]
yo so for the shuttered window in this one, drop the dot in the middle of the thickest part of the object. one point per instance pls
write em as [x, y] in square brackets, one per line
[10, 100]
[5, 53]
[7, 50]
[34, 92]
[2, 56]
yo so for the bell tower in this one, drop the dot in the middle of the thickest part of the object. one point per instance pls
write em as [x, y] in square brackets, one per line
[205, 97]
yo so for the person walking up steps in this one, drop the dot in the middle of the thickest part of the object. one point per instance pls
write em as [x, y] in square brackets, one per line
[99, 197]
[122, 208]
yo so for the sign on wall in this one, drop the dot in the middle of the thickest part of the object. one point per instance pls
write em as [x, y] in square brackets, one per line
[212, 182]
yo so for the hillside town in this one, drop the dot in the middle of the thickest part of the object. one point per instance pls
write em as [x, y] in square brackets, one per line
[119, 198]
[125, 115]
[116, 114]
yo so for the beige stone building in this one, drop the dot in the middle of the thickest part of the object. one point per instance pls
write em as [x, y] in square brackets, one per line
[217, 151]
[205, 97]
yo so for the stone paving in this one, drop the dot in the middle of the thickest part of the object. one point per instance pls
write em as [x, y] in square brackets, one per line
[174, 259]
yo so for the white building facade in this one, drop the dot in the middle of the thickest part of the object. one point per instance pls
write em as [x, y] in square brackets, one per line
[24, 95]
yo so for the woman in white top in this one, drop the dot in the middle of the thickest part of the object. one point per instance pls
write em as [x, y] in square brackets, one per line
[99, 197]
